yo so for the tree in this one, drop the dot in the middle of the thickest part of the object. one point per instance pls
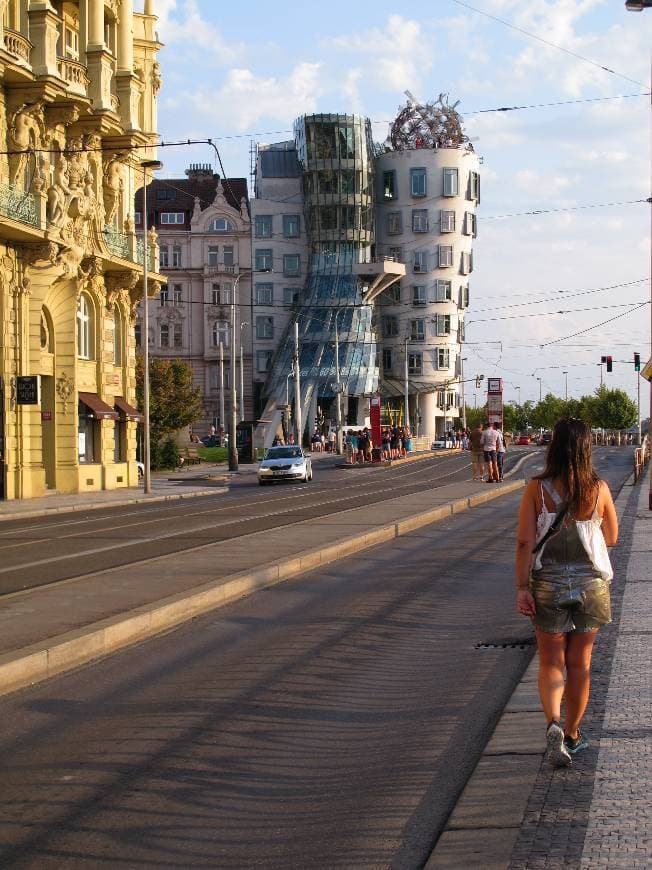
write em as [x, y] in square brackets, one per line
[173, 400]
[613, 409]
[475, 416]
[548, 411]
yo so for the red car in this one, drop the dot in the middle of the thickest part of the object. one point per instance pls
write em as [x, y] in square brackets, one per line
[523, 440]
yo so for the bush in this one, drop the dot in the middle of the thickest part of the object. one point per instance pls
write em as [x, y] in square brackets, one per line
[169, 455]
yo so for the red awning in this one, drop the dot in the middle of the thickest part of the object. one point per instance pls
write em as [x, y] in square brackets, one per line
[99, 409]
[127, 411]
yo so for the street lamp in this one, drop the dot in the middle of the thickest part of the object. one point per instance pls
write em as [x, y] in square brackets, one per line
[463, 397]
[147, 474]
[565, 374]
[539, 379]
[242, 415]
[233, 423]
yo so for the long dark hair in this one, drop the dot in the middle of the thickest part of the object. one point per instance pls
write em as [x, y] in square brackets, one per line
[569, 460]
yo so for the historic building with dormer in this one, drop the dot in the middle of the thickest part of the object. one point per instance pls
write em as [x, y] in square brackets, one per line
[78, 90]
[204, 234]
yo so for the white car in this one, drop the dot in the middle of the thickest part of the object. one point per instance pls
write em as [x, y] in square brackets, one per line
[284, 463]
[441, 444]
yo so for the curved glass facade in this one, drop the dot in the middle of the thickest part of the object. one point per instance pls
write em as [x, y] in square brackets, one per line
[336, 157]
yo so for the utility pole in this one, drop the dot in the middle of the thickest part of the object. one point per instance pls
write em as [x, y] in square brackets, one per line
[222, 416]
[462, 361]
[147, 473]
[298, 422]
[242, 414]
[638, 403]
[233, 423]
[540, 398]
[406, 421]
[565, 374]
[338, 389]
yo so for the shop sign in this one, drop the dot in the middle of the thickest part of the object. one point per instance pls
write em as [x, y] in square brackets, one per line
[28, 390]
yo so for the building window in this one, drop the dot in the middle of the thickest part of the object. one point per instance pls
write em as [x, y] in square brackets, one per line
[420, 261]
[264, 328]
[214, 377]
[347, 182]
[419, 220]
[263, 226]
[466, 262]
[88, 435]
[227, 255]
[395, 253]
[164, 335]
[264, 360]
[213, 254]
[451, 182]
[418, 330]
[394, 223]
[220, 225]
[264, 294]
[387, 359]
[177, 335]
[389, 184]
[445, 256]
[176, 257]
[327, 180]
[447, 221]
[71, 42]
[470, 224]
[464, 297]
[291, 225]
[390, 326]
[328, 217]
[263, 259]
[443, 291]
[474, 186]
[220, 333]
[138, 218]
[392, 296]
[290, 295]
[164, 297]
[164, 257]
[418, 182]
[119, 440]
[85, 328]
[177, 295]
[118, 336]
[443, 358]
[442, 324]
[172, 217]
[419, 295]
[291, 264]
[138, 334]
[165, 193]
[415, 363]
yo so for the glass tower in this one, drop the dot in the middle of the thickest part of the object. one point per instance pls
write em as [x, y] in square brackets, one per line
[336, 157]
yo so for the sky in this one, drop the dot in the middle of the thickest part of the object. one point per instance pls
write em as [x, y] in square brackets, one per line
[241, 73]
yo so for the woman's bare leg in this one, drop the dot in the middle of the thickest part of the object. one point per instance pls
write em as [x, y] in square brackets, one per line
[578, 677]
[552, 655]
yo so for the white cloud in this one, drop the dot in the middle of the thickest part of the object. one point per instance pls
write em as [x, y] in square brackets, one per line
[401, 54]
[244, 98]
[181, 24]
[531, 181]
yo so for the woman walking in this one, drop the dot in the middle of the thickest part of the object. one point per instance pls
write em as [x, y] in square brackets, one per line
[567, 520]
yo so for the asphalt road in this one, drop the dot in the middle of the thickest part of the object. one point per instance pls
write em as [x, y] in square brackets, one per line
[327, 722]
[42, 550]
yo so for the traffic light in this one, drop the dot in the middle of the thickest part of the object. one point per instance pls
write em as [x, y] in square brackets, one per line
[637, 362]
[603, 360]
[610, 364]
[478, 382]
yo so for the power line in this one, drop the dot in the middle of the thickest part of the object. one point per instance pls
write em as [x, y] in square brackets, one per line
[568, 295]
[595, 326]
[554, 313]
[548, 42]
[495, 217]
[572, 291]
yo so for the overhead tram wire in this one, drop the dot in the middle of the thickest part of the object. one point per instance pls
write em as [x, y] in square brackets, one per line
[548, 42]
[595, 325]
[567, 295]
[556, 313]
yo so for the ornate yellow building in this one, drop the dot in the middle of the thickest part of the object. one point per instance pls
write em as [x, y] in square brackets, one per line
[78, 87]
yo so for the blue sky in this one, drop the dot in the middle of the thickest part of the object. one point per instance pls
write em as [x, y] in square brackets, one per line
[233, 70]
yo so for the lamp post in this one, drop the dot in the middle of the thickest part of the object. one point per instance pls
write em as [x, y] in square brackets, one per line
[539, 379]
[338, 386]
[242, 414]
[147, 474]
[462, 361]
[233, 422]
[406, 422]
[565, 374]
[222, 414]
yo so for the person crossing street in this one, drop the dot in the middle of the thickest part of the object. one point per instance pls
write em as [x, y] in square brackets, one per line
[489, 446]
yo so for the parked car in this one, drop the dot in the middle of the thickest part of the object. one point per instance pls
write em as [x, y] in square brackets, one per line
[441, 444]
[285, 463]
[522, 440]
[546, 438]
[211, 441]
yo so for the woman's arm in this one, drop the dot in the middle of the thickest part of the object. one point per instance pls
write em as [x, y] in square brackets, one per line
[609, 516]
[525, 540]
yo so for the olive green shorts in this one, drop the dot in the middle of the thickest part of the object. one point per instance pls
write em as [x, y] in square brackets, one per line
[573, 604]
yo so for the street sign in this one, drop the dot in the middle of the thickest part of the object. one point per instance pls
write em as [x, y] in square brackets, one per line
[28, 390]
[647, 370]
[46, 416]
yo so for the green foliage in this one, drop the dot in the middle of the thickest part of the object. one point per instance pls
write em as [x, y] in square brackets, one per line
[173, 400]
[613, 409]
[475, 416]
[213, 454]
[169, 454]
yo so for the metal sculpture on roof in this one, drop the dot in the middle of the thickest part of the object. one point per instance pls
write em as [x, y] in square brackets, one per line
[426, 125]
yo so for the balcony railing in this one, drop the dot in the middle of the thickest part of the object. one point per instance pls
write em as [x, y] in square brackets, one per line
[17, 44]
[18, 205]
[117, 243]
[74, 74]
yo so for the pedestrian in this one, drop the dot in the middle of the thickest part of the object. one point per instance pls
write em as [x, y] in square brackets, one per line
[501, 450]
[489, 441]
[477, 456]
[332, 439]
[355, 446]
[567, 520]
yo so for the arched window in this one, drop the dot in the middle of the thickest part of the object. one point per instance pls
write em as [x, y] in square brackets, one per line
[118, 336]
[85, 328]
[220, 333]
[47, 335]
[220, 225]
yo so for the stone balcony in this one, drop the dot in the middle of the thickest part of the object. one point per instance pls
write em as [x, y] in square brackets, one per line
[17, 45]
[74, 74]
[18, 205]
[378, 274]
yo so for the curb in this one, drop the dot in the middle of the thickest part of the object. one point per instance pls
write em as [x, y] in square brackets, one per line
[39, 661]
[98, 506]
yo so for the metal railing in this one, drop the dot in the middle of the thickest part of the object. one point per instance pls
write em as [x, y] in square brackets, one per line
[117, 243]
[641, 457]
[18, 204]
